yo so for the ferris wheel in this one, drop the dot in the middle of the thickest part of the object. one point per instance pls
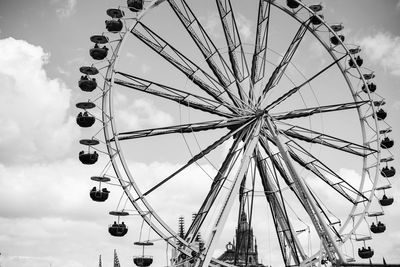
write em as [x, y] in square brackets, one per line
[285, 123]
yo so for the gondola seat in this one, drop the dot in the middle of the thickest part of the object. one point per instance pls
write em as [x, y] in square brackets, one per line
[365, 253]
[381, 114]
[388, 172]
[335, 40]
[135, 5]
[143, 261]
[98, 53]
[86, 84]
[387, 143]
[114, 26]
[315, 20]
[88, 158]
[386, 201]
[118, 229]
[99, 195]
[292, 4]
[85, 120]
[371, 88]
[378, 228]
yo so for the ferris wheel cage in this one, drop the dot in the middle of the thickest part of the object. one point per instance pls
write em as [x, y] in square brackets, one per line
[140, 203]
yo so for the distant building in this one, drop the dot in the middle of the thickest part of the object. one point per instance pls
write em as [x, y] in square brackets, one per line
[241, 252]
[116, 260]
[198, 243]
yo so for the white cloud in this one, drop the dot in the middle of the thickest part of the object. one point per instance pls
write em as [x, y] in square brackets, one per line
[384, 49]
[33, 108]
[131, 55]
[56, 189]
[46, 215]
[67, 10]
[245, 27]
[145, 68]
[396, 105]
[212, 25]
[63, 71]
[141, 114]
[46, 206]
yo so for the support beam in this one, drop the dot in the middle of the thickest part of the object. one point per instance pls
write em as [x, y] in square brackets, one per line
[323, 231]
[251, 143]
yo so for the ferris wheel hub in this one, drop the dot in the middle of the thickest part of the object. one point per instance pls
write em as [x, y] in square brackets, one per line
[260, 112]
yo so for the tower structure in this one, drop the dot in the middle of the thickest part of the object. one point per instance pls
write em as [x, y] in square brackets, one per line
[242, 252]
[184, 261]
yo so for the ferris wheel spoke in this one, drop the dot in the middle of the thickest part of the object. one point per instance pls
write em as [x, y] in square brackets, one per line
[315, 137]
[275, 158]
[200, 155]
[179, 96]
[232, 36]
[211, 54]
[197, 75]
[320, 170]
[304, 195]
[297, 88]
[280, 69]
[290, 246]
[218, 182]
[316, 110]
[260, 49]
[182, 128]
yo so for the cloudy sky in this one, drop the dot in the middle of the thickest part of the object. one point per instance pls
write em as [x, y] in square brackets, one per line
[46, 216]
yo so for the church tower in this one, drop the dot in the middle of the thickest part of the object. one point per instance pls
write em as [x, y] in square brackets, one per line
[243, 251]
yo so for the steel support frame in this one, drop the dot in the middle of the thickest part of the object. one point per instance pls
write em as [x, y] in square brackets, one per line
[251, 144]
[210, 53]
[330, 246]
[284, 230]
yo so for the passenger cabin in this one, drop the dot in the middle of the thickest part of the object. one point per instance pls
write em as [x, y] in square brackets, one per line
[292, 4]
[378, 228]
[388, 172]
[98, 53]
[100, 195]
[85, 120]
[88, 158]
[386, 201]
[335, 40]
[118, 229]
[358, 61]
[114, 26]
[371, 88]
[143, 260]
[316, 19]
[381, 114]
[337, 27]
[135, 5]
[87, 84]
[387, 143]
[365, 253]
